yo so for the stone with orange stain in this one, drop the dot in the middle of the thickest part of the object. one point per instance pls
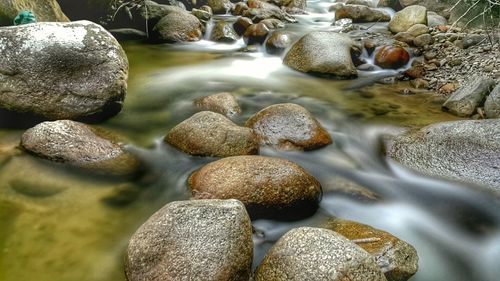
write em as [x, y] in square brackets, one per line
[396, 258]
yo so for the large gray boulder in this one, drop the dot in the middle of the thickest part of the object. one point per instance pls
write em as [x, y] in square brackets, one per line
[322, 53]
[492, 104]
[78, 145]
[315, 254]
[467, 151]
[193, 240]
[62, 70]
[465, 101]
[268, 186]
[408, 17]
[212, 134]
[44, 10]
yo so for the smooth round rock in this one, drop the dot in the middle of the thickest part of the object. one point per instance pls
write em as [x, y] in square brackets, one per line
[223, 103]
[241, 25]
[423, 40]
[269, 187]
[178, 27]
[392, 57]
[192, 240]
[256, 33]
[62, 70]
[397, 259]
[322, 53]
[278, 42]
[315, 254]
[408, 17]
[78, 145]
[288, 126]
[212, 134]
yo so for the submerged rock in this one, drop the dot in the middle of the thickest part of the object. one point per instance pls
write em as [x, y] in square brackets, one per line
[397, 259]
[44, 10]
[62, 70]
[223, 103]
[392, 57]
[492, 104]
[408, 17]
[465, 101]
[360, 13]
[322, 53]
[192, 240]
[178, 27]
[78, 145]
[212, 134]
[315, 254]
[467, 151]
[269, 187]
[288, 126]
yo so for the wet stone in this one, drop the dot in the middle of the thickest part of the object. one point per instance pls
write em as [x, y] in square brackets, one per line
[256, 33]
[223, 32]
[192, 240]
[223, 103]
[316, 254]
[288, 126]
[269, 187]
[278, 42]
[397, 259]
[465, 101]
[241, 25]
[392, 57]
[212, 134]
[79, 145]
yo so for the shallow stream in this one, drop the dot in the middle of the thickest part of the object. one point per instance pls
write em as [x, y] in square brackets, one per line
[58, 223]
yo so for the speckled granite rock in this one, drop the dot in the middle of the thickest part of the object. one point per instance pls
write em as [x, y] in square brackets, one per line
[315, 254]
[209, 240]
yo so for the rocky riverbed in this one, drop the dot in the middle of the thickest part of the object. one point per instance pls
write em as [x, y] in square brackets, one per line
[221, 140]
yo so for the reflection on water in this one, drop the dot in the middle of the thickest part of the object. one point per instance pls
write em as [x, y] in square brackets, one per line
[58, 223]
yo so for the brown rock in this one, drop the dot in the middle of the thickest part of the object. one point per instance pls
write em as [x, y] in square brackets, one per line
[278, 42]
[397, 259]
[416, 71]
[212, 134]
[223, 103]
[269, 187]
[256, 33]
[360, 13]
[288, 126]
[392, 57]
[241, 25]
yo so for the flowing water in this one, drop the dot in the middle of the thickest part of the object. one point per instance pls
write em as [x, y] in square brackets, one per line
[58, 223]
